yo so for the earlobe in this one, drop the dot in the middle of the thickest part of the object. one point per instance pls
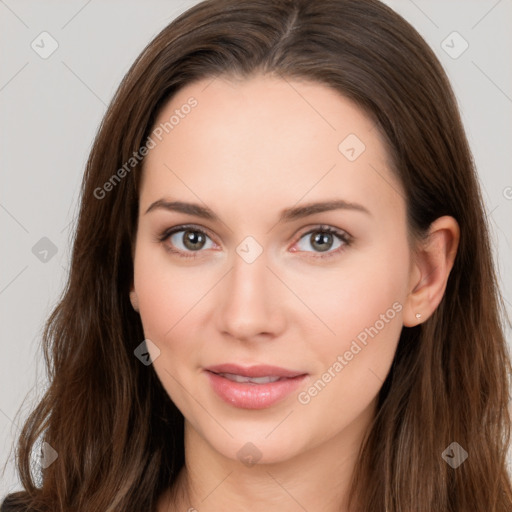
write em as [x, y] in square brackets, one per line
[416, 299]
[134, 300]
[433, 263]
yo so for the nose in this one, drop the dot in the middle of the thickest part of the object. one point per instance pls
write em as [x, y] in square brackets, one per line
[251, 301]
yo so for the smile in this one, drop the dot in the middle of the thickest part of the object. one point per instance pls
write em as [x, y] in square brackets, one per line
[252, 392]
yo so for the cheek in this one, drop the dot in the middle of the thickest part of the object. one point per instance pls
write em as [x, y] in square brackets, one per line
[167, 296]
[361, 303]
[364, 311]
[166, 292]
[353, 296]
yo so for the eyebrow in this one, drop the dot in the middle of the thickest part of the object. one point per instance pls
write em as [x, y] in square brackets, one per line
[287, 215]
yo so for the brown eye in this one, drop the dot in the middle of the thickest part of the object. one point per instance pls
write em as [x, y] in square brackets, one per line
[193, 240]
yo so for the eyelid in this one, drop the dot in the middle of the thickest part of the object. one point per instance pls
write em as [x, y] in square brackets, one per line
[325, 227]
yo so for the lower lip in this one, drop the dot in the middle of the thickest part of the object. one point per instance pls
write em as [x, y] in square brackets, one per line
[247, 395]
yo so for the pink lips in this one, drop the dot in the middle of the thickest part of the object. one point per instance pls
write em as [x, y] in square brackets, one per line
[249, 395]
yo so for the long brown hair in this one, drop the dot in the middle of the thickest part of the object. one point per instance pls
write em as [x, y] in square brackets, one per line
[119, 437]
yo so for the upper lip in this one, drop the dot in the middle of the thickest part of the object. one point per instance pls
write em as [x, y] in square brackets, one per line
[254, 371]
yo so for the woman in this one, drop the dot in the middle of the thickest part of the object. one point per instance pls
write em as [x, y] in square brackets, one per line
[282, 294]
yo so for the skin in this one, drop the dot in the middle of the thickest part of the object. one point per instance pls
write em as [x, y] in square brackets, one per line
[249, 149]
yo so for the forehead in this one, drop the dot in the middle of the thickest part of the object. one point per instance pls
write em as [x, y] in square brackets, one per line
[266, 136]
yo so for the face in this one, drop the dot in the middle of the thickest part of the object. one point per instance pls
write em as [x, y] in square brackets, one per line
[262, 280]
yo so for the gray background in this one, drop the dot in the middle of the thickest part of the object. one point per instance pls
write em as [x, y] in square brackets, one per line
[51, 108]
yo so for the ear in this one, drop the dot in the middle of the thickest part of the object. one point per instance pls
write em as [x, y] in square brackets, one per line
[134, 299]
[430, 270]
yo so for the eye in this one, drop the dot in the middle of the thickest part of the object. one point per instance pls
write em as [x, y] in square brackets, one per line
[186, 239]
[322, 239]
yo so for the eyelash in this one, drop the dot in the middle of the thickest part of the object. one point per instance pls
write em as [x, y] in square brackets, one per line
[341, 235]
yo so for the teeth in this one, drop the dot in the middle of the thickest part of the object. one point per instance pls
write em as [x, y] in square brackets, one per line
[254, 380]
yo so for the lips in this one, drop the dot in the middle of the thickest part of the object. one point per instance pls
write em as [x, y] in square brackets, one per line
[254, 387]
[255, 371]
